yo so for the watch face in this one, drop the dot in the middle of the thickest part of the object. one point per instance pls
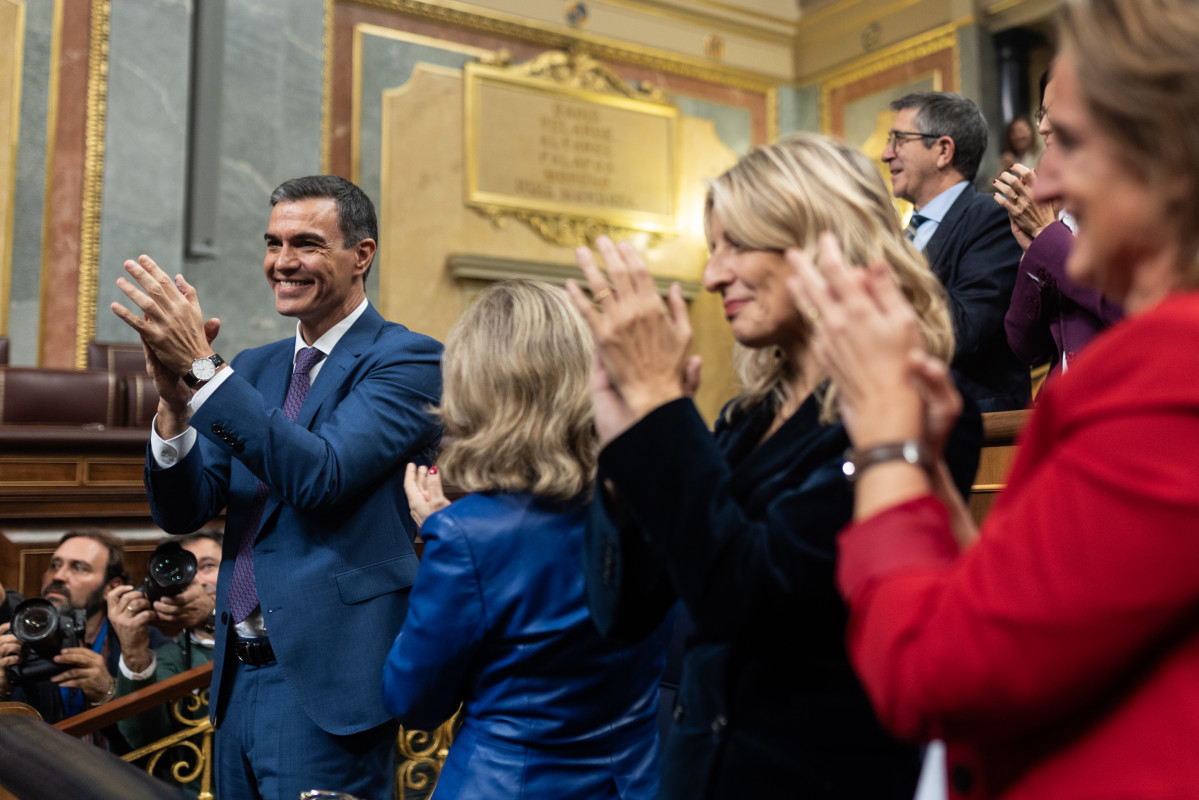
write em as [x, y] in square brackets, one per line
[203, 369]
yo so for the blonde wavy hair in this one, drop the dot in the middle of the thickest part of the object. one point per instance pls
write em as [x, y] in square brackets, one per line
[516, 400]
[1137, 64]
[786, 195]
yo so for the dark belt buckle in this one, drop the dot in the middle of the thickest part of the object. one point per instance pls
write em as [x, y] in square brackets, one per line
[254, 654]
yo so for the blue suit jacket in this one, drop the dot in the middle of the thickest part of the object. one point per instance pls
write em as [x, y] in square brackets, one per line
[976, 257]
[333, 559]
[498, 622]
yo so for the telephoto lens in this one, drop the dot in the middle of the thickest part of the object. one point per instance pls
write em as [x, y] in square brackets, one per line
[171, 570]
[43, 631]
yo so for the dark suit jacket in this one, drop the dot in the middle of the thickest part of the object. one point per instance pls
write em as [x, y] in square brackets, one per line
[333, 559]
[976, 256]
[744, 535]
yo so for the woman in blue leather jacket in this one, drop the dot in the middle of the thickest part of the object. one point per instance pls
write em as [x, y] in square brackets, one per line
[497, 619]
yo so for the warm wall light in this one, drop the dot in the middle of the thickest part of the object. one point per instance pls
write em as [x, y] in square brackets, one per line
[714, 47]
[577, 14]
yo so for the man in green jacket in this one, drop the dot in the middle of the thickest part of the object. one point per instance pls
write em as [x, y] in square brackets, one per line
[140, 666]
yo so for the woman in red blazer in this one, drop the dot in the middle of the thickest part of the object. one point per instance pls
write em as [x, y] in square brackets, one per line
[1058, 655]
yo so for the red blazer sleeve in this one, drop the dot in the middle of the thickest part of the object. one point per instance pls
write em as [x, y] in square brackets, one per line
[1087, 566]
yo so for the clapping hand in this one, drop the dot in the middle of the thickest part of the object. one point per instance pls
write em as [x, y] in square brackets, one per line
[1015, 193]
[641, 345]
[864, 337]
[425, 493]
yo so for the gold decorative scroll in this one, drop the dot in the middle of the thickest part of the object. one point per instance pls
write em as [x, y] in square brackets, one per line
[421, 755]
[193, 759]
[565, 146]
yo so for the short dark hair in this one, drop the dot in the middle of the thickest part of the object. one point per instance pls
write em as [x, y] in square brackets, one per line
[952, 115]
[214, 536]
[116, 551]
[355, 212]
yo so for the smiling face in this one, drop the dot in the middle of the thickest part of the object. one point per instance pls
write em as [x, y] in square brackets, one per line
[75, 577]
[315, 279]
[916, 170]
[1125, 245]
[753, 286]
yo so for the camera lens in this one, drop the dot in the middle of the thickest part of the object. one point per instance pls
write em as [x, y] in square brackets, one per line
[171, 569]
[168, 571]
[35, 621]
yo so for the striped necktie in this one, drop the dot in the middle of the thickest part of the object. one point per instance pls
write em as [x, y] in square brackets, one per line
[914, 225]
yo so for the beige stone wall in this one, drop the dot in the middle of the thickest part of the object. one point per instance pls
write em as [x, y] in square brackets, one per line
[754, 35]
[832, 33]
[426, 223]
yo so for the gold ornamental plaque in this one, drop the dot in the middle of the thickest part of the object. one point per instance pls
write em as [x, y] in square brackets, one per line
[563, 145]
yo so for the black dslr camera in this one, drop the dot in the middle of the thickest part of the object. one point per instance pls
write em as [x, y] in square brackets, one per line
[43, 631]
[171, 570]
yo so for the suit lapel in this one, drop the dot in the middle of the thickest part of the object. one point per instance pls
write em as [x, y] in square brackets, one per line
[274, 381]
[349, 349]
[945, 229]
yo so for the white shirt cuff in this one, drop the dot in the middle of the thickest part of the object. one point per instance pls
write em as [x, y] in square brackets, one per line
[145, 675]
[169, 452]
[205, 391]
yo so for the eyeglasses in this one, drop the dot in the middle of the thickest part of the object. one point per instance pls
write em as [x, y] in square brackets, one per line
[896, 138]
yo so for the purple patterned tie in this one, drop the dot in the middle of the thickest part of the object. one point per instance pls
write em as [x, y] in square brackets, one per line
[243, 592]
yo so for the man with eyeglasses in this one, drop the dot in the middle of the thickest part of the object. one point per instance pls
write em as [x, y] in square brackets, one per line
[935, 145]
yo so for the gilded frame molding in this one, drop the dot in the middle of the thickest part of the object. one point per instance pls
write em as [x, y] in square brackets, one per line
[9, 141]
[93, 179]
[449, 12]
[926, 44]
[579, 78]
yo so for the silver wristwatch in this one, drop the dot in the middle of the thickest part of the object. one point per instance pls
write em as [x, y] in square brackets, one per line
[202, 370]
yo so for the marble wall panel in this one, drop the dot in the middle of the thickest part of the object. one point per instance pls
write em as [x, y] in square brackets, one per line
[271, 132]
[731, 124]
[799, 109]
[145, 166]
[25, 276]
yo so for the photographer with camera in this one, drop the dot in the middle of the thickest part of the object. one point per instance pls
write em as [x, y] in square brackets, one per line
[9, 600]
[181, 585]
[56, 654]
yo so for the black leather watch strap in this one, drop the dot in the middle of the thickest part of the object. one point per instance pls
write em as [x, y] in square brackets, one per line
[193, 381]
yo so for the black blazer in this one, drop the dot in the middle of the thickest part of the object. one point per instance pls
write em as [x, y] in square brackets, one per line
[744, 535]
[976, 257]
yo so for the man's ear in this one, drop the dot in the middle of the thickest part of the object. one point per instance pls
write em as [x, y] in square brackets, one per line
[364, 251]
[945, 150]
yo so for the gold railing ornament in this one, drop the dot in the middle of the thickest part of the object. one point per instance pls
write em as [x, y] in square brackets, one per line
[195, 760]
[421, 756]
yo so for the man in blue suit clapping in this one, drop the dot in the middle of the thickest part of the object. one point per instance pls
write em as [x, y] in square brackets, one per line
[303, 442]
